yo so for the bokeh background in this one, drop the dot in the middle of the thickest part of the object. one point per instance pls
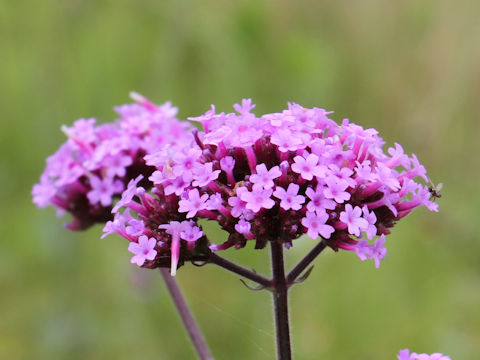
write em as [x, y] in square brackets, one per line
[409, 68]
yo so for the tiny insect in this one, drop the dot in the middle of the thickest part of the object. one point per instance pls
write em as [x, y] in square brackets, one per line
[435, 190]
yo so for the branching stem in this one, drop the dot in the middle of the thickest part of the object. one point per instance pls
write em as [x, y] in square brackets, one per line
[239, 270]
[279, 285]
[307, 260]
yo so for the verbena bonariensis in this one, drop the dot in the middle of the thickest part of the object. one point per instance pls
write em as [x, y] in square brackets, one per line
[270, 178]
[95, 164]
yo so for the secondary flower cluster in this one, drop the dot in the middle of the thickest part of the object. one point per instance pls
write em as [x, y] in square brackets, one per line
[269, 178]
[96, 162]
[406, 355]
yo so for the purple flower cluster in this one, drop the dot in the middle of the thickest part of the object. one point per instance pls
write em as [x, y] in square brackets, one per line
[406, 355]
[153, 180]
[93, 167]
[268, 178]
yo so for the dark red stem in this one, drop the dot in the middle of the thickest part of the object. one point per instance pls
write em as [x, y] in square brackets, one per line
[307, 260]
[239, 270]
[280, 302]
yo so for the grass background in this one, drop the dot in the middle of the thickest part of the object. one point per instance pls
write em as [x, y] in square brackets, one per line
[409, 68]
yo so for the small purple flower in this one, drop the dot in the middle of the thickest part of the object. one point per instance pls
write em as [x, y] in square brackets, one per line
[289, 198]
[363, 172]
[286, 141]
[81, 134]
[308, 166]
[418, 169]
[316, 225]
[143, 250]
[43, 193]
[405, 355]
[387, 177]
[344, 174]
[258, 198]
[245, 107]
[112, 227]
[265, 177]
[128, 194]
[185, 163]
[243, 227]
[336, 190]
[244, 130]
[177, 186]
[352, 217]
[378, 251]
[214, 202]
[398, 157]
[363, 250]
[191, 233]
[135, 227]
[103, 190]
[157, 177]
[237, 204]
[435, 356]
[218, 136]
[371, 219]
[227, 164]
[193, 203]
[117, 165]
[203, 175]
[318, 201]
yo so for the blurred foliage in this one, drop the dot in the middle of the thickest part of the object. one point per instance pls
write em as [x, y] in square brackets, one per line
[409, 68]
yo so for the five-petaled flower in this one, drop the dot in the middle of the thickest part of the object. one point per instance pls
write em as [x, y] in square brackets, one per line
[143, 250]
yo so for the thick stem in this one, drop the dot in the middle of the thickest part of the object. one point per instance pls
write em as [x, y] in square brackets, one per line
[193, 331]
[239, 270]
[280, 302]
[302, 265]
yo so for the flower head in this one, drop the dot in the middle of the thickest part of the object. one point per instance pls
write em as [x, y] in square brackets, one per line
[93, 167]
[279, 176]
[264, 178]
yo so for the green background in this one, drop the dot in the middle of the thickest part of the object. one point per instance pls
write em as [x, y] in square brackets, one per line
[411, 69]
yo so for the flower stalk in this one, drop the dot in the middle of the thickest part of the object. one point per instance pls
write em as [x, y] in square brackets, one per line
[307, 260]
[239, 270]
[193, 330]
[280, 302]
